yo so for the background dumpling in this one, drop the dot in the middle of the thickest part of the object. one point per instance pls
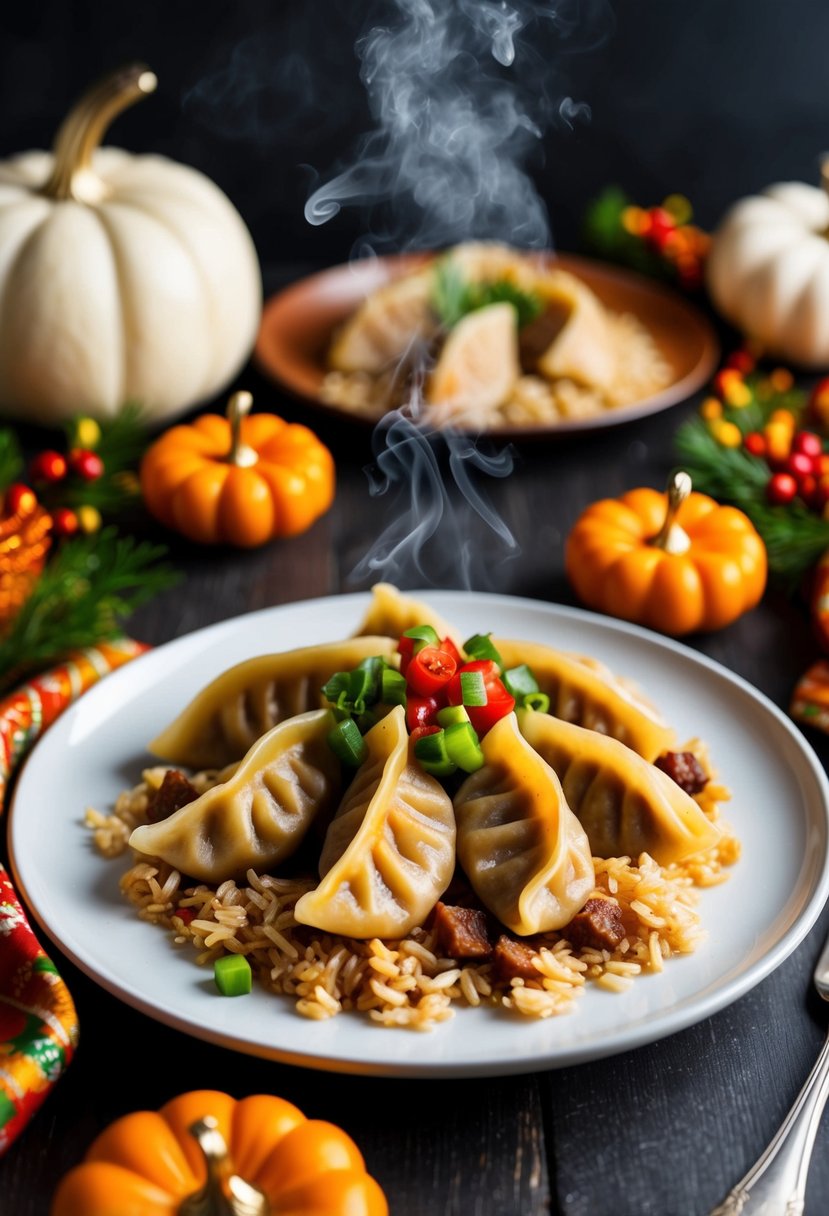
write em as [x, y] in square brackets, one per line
[521, 847]
[261, 814]
[587, 693]
[235, 709]
[391, 613]
[626, 805]
[389, 853]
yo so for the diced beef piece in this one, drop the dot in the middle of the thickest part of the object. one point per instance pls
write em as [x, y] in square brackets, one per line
[513, 960]
[684, 769]
[174, 792]
[462, 932]
[598, 925]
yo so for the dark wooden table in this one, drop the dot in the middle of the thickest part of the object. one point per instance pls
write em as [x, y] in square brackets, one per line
[662, 1131]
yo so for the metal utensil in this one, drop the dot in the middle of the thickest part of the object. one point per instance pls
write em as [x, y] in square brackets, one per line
[776, 1184]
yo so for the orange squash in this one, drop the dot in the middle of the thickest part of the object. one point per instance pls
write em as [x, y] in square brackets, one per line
[182, 1161]
[677, 562]
[238, 480]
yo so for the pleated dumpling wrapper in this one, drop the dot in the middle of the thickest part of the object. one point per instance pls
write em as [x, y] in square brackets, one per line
[521, 847]
[227, 717]
[584, 347]
[387, 327]
[390, 613]
[260, 815]
[625, 805]
[389, 853]
[586, 692]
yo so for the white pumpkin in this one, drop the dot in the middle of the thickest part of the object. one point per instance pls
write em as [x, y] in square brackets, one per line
[768, 271]
[122, 278]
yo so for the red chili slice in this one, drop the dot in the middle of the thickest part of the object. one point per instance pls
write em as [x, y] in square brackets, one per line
[429, 671]
[421, 711]
[499, 701]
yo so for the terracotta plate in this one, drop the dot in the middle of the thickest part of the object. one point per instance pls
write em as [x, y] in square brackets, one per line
[297, 325]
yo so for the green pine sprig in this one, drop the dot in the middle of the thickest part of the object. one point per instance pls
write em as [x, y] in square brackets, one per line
[454, 296]
[11, 458]
[121, 444]
[82, 597]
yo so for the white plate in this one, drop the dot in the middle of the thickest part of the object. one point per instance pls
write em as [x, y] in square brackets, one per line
[755, 919]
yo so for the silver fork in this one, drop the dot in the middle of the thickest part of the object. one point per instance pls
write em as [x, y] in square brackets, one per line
[776, 1184]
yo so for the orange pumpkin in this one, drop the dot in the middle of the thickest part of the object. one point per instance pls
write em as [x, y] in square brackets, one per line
[678, 562]
[238, 480]
[181, 1161]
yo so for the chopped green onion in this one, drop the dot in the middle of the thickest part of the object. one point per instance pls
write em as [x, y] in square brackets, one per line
[464, 747]
[473, 688]
[392, 687]
[232, 975]
[339, 683]
[347, 743]
[520, 682]
[360, 690]
[539, 701]
[452, 714]
[430, 751]
[423, 635]
[480, 647]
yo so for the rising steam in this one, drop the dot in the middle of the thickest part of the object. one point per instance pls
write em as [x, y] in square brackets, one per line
[447, 160]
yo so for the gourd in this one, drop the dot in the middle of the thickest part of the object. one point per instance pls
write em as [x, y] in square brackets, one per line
[768, 270]
[123, 278]
[183, 1161]
[237, 480]
[677, 562]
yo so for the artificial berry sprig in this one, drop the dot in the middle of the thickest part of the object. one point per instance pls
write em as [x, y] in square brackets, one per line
[658, 240]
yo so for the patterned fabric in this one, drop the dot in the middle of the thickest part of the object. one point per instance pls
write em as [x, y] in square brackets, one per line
[38, 1023]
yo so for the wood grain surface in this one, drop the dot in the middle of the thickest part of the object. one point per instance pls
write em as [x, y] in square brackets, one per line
[662, 1131]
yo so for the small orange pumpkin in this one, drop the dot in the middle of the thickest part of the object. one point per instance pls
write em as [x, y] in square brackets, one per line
[678, 562]
[238, 480]
[181, 1161]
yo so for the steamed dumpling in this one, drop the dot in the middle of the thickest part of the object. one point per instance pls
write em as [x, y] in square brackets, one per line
[258, 817]
[583, 348]
[521, 847]
[625, 805]
[391, 613]
[387, 326]
[235, 709]
[585, 692]
[478, 367]
[389, 853]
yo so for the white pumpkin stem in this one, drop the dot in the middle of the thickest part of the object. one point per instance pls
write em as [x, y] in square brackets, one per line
[84, 127]
[224, 1193]
[240, 454]
[671, 537]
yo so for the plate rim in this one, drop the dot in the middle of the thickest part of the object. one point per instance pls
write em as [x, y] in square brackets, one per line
[693, 1010]
[673, 394]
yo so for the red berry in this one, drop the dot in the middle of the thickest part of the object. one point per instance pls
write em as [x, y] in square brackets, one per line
[661, 225]
[781, 489]
[48, 466]
[20, 499]
[86, 464]
[808, 490]
[808, 442]
[741, 361]
[65, 522]
[799, 465]
[822, 492]
[755, 443]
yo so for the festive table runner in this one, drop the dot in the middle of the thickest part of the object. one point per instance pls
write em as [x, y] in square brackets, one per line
[38, 1022]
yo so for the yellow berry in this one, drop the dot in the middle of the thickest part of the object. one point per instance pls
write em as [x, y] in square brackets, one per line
[737, 393]
[782, 418]
[711, 408]
[727, 433]
[89, 518]
[781, 379]
[87, 433]
[635, 220]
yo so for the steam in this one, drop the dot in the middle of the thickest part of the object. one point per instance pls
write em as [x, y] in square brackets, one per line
[454, 131]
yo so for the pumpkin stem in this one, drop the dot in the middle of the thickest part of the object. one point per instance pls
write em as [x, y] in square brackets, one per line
[671, 537]
[238, 408]
[224, 1193]
[84, 127]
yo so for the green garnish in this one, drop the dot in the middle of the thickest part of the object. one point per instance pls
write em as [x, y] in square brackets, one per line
[473, 688]
[539, 701]
[233, 975]
[520, 682]
[347, 744]
[451, 715]
[423, 635]
[480, 647]
[392, 687]
[463, 747]
[431, 752]
[453, 296]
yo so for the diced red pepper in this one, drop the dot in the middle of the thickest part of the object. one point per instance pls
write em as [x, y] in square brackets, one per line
[449, 647]
[405, 648]
[421, 711]
[499, 701]
[429, 671]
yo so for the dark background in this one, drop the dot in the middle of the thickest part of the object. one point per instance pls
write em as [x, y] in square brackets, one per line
[714, 99]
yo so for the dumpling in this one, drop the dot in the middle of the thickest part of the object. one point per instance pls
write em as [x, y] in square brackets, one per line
[389, 853]
[391, 613]
[585, 692]
[258, 817]
[235, 709]
[521, 847]
[582, 347]
[389, 324]
[625, 805]
[478, 367]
